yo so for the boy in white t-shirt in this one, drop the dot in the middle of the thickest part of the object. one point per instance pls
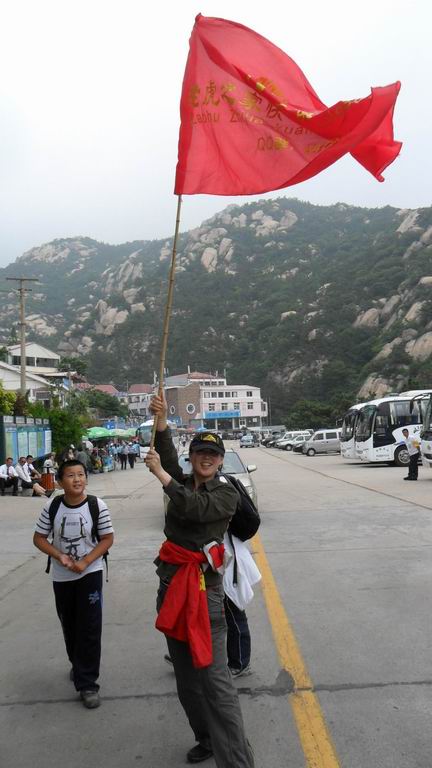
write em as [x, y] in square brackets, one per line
[77, 574]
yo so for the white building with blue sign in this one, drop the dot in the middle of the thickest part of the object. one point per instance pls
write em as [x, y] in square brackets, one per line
[206, 400]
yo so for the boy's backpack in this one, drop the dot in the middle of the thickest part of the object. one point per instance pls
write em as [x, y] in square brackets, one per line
[246, 521]
[94, 512]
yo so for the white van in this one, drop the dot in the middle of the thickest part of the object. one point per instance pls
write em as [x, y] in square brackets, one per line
[323, 441]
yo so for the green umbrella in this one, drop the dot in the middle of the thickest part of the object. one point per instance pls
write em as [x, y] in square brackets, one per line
[97, 432]
[118, 432]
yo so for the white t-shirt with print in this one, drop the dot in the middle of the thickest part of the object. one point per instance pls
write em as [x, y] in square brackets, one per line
[72, 535]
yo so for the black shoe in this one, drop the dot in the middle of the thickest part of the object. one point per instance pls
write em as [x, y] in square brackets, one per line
[90, 699]
[199, 753]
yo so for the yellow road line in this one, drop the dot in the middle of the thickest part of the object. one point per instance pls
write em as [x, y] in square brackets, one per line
[314, 736]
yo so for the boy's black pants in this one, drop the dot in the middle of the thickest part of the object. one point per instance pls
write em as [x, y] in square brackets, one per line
[79, 608]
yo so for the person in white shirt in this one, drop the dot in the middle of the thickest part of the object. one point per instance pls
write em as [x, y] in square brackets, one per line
[77, 550]
[50, 465]
[34, 474]
[413, 445]
[23, 471]
[8, 477]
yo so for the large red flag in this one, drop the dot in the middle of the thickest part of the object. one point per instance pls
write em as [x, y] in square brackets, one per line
[251, 122]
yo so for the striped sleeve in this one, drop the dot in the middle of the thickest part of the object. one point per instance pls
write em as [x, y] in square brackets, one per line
[43, 525]
[104, 521]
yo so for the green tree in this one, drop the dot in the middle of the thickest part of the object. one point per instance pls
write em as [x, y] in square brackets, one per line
[74, 364]
[105, 404]
[7, 401]
[66, 426]
[21, 405]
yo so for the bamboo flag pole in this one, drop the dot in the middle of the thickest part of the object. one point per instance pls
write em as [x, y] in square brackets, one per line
[168, 309]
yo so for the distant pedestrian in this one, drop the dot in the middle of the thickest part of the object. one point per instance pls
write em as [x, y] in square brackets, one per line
[413, 447]
[83, 456]
[50, 465]
[123, 454]
[77, 548]
[131, 455]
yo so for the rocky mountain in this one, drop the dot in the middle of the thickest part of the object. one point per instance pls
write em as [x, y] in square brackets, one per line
[303, 300]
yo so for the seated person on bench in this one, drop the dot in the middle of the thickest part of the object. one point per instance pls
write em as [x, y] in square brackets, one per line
[22, 470]
[8, 477]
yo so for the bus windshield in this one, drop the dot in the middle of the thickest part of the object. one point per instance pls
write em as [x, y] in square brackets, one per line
[143, 434]
[365, 421]
[349, 425]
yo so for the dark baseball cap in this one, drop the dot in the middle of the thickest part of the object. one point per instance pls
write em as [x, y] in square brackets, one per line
[207, 441]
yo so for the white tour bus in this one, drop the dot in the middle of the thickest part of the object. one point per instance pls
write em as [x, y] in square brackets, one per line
[347, 438]
[378, 432]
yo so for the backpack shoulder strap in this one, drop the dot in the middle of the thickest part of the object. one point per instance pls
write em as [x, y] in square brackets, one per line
[94, 511]
[233, 481]
[54, 508]
[52, 511]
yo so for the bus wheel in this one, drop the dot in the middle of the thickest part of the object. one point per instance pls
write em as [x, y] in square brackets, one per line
[311, 452]
[401, 458]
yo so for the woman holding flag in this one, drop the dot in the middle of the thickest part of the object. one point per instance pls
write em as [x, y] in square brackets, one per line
[190, 599]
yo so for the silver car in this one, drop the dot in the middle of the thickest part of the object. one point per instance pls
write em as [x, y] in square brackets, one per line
[232, 465]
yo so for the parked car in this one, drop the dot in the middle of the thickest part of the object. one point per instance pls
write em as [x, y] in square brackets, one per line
[247, 441]
[269, 441]
[232, 465]
[286, 443]
[323, 441]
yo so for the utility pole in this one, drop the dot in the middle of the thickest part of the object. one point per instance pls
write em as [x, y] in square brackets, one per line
[22, 291]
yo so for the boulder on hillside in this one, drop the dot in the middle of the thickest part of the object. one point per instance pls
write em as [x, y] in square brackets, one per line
[376, 384]
[420, 349]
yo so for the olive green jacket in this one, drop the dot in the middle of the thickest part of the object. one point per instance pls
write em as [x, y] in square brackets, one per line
[194, 517]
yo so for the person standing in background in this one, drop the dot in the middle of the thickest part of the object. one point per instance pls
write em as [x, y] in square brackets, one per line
[413, 447]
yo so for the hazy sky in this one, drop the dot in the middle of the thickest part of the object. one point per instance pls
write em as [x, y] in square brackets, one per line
[89, 108]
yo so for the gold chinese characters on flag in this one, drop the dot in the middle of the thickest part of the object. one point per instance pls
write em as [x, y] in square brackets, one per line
[251, 122]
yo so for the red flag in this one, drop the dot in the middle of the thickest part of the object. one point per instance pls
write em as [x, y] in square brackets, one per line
[251, 122]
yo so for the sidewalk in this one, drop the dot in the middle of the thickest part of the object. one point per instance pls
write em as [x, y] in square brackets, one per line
[140, 721]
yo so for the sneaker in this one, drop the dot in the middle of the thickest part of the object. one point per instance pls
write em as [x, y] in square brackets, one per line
[199, 753]
[90, 699]
[168, 659]
[237, 671]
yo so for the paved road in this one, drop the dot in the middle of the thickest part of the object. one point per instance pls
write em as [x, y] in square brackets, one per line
[349, 547]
